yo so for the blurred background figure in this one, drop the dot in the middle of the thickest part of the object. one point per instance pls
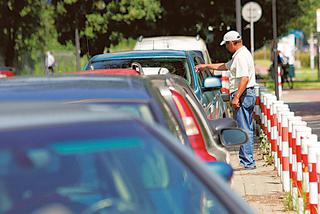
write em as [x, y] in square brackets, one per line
[49, 63]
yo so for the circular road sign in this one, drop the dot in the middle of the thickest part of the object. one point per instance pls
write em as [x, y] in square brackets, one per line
[251, 12]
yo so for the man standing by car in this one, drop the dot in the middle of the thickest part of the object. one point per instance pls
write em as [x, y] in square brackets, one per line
[242, 81]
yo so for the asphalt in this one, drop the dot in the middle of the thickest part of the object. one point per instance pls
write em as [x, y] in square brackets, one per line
[261, 187]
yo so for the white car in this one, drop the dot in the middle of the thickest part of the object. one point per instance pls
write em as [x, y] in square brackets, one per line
[186, 43]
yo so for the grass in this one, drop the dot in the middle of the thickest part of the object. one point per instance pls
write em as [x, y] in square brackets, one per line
[305, 78]
[288, 202]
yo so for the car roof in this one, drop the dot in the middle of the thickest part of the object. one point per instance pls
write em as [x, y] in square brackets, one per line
[114, 71]
[171, 42]
[141, 54]
[27, 114]
[74, 87]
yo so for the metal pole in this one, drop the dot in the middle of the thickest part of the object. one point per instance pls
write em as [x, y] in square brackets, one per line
[238, 16]
[252, 38]
[318, 54]
[275, 46]
[77, 49]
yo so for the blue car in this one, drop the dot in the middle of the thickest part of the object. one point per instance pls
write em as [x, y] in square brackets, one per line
[181, 63]
[86, 162]
[128, 93]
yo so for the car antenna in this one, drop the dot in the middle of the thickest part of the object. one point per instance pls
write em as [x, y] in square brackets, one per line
[140, 38]
[198, 37]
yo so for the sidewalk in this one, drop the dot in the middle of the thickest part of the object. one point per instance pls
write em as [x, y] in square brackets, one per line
[260, 187]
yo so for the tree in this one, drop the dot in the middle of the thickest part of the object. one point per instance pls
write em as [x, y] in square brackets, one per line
[20, 20]
[189, 17]
[306, 21]
[100, 23]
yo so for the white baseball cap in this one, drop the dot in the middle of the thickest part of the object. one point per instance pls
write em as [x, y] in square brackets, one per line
[230, 36]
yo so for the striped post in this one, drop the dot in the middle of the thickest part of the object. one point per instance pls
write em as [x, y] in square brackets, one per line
[291, 121]
[263, 109]
[318, 179]
[269, 101]
[279, 82]
[301, 132]
[313, 151]
[274, 130]
[285, 150]
[225, 82]
[266, 113]
[280, 109]
[296, 160]
[306, 141]
[256, 112]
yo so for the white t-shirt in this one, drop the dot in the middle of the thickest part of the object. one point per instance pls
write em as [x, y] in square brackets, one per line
[49, 60]
[241, 65]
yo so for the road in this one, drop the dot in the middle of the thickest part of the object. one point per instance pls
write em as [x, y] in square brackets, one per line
[305, 103]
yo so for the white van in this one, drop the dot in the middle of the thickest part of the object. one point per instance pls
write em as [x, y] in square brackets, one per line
[186, 43]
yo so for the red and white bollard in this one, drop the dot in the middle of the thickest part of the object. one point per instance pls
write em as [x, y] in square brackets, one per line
[225, 82]
[274, 130]
[301, 132]
[296, 160]
[262, 108]
[269, 101]
[291, 121]
[266, 112]
[285, 150]
[280, 110]
[279, 82]
[306, 141]
[313, 151]
[318, 179]
[256, 112]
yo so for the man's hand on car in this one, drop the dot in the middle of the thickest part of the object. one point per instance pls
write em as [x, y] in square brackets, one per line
[200, 67]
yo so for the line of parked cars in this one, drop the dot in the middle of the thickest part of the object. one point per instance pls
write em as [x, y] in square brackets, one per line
[135, 132]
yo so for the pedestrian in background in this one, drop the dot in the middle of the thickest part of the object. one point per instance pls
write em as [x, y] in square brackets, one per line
[49, 62]
[242, 81]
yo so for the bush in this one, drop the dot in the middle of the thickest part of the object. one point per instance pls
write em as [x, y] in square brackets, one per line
[304, 58]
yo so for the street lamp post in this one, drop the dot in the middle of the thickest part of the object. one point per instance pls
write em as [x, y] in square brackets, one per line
[238, 16]
[275, 47]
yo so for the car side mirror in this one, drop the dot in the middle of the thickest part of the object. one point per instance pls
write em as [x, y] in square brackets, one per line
[211, 83]
[233, 136]
[224, 170]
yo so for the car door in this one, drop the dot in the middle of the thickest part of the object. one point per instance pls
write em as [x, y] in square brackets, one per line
[210, 99]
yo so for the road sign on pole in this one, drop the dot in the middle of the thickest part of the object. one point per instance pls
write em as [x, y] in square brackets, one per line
[251, 12]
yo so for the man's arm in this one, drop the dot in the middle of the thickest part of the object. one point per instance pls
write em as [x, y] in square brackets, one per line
[215, 66]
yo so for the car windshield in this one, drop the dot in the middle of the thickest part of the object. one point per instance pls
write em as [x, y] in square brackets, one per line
[96, 167]
[177, 66]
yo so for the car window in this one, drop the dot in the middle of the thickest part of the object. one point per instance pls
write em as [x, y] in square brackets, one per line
[201, 75]
[177, 66]
[106, 170]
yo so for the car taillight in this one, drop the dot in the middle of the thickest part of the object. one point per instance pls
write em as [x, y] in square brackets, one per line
[192, 127]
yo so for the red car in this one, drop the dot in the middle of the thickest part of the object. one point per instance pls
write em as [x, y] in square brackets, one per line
[6, 71]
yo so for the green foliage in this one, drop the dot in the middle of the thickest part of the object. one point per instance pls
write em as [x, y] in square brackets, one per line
[101, 23]
[304, 58]
[20, 24]
[124, 45]
[306, 20]
[288, 202]
[265, 149]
